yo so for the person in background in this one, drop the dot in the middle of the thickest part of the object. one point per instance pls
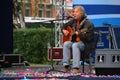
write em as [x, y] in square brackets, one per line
[69, 18]
[76, 41]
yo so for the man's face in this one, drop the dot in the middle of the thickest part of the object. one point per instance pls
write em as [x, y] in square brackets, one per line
[77, 13]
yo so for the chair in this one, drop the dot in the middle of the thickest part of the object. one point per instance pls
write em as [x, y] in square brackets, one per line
[86, 54]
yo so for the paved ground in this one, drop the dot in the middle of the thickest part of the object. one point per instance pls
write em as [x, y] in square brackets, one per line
[40, 73]
[41, 68]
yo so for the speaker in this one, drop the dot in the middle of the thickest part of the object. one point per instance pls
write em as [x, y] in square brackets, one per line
[107, 62]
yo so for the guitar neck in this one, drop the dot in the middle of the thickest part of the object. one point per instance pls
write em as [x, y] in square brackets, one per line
[83, 30]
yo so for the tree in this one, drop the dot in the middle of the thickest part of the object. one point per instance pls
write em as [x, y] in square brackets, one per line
[18, 17]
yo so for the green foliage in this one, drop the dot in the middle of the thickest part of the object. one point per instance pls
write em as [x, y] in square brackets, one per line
[32, 43]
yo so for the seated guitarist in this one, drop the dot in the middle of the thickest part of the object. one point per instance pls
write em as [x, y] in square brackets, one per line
[72, 39]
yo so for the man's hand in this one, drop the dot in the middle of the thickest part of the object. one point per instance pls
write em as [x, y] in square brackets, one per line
[76, 33]
[65, 32]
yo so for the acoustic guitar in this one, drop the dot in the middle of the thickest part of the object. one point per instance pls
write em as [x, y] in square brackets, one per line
[72, 36]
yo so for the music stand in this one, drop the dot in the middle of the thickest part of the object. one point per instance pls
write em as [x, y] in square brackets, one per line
[51, 48]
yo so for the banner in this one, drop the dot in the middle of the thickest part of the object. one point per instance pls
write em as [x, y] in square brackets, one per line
[101, 11]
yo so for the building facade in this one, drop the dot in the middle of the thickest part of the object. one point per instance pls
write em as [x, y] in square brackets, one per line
[45, 8]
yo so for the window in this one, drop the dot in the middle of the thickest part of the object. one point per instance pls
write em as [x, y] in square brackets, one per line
[40, 10]
[48, 11]
[27, 9]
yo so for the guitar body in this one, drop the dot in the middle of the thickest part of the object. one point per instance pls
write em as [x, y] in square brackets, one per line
[71, 36]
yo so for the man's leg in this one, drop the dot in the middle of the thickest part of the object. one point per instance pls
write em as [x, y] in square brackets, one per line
[76, 51]
[66, 53]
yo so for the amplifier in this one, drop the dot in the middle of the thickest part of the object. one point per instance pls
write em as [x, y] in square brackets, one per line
[56, 53]
[7, 60]
[107, 61]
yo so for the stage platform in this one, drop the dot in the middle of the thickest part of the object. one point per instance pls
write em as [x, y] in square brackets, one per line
[40, 73]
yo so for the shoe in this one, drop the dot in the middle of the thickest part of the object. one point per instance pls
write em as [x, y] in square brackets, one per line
[66, 68]
[75, 70]
[85, 63]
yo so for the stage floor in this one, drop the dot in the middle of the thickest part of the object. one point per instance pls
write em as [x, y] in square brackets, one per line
[42, 73]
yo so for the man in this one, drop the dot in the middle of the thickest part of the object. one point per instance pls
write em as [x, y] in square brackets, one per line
[80, 24]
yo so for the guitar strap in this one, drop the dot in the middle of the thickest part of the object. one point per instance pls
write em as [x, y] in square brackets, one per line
[81, 24]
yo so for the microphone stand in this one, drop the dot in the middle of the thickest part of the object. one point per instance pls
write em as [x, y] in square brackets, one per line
[51, 45]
